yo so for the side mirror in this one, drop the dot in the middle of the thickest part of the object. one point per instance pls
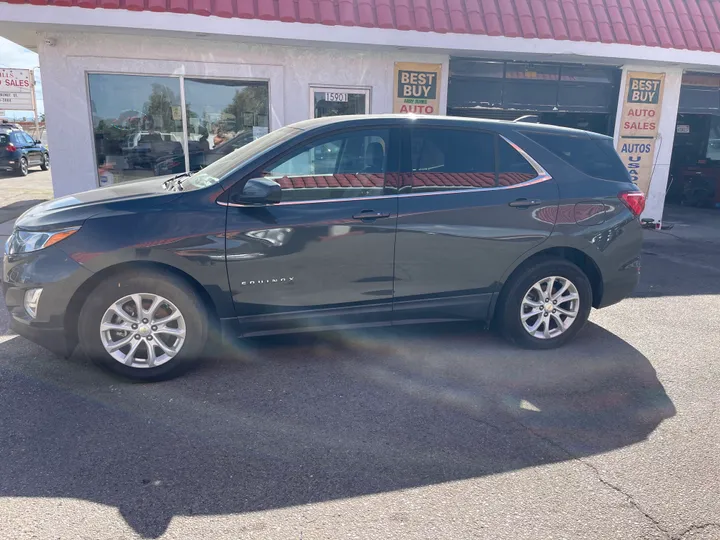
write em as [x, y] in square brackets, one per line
[38, 141]
[260, 191]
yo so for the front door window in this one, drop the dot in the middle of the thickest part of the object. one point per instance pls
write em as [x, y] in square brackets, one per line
[348, 165]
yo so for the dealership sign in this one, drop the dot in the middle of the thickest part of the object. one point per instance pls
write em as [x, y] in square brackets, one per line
[642, 102]
[16, 89]
[417, 88]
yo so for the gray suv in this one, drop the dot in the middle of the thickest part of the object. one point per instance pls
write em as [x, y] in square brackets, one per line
[333, 223]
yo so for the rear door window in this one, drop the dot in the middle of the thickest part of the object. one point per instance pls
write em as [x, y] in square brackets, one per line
[450, 159]
[17, 139]
[513, 168]
[591, 155]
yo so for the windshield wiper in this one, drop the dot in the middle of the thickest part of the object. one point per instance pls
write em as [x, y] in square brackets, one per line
[175, 181]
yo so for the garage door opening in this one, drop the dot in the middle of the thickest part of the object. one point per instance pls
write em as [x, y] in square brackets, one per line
[582, 97]
[695, 163]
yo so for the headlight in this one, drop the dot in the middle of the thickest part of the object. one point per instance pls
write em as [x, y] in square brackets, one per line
[26, 241]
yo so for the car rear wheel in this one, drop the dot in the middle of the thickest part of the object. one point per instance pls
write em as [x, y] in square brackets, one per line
[545, 305]
[23, 166]
[143, 326]
[45, 165]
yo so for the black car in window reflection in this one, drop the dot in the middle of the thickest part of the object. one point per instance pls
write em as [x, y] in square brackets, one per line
[145, 148]
[200, 155]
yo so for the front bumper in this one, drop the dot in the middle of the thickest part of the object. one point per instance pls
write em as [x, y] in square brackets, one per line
[60, 277]
[53, 339]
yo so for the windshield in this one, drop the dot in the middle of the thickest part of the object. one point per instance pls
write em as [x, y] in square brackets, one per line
[216, 171]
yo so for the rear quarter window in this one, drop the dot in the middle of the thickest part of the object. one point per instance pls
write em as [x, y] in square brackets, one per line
[4, 139]
[592, 155]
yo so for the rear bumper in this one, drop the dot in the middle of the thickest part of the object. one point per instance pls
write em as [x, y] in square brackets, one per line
[621, 284]
[7, 164]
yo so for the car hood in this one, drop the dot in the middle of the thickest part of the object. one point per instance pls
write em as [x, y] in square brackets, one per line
[74, 209]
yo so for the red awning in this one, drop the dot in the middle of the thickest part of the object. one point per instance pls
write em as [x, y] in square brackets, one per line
[679, 24]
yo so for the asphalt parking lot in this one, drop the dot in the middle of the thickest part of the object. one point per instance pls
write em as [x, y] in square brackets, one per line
[17, 193]
[397, 433]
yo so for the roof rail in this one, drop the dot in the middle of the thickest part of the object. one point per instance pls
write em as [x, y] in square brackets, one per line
[529, 118]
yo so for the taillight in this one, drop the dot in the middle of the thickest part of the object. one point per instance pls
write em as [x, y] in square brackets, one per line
[634, 200]
[10, 147]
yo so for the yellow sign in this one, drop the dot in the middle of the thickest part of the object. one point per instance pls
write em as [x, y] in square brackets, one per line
[417, 88]
[642, 103]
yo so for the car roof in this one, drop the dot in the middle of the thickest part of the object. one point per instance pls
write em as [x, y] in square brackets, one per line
[446, 121]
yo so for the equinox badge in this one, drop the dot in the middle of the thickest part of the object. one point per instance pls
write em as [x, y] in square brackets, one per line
[269, 280]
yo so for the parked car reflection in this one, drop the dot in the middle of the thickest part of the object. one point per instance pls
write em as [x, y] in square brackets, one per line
[200, 154]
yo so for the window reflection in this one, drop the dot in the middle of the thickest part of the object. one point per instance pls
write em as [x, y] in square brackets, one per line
[137, 123]
[222, 116]
[338, 103]
[713, 148]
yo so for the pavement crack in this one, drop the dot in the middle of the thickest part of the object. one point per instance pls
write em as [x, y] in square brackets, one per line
[696, 528]
[603, 481]
[629, 498]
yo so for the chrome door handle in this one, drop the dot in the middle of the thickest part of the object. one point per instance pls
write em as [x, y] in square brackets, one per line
[371, 215]
[524, 203]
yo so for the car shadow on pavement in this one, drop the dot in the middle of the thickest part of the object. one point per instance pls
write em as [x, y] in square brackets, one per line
[13, 210]
[303, 419]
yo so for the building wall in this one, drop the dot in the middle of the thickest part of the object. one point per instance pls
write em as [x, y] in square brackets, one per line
[290, 71]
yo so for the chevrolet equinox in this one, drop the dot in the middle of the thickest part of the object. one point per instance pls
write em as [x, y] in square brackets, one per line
[327, 223]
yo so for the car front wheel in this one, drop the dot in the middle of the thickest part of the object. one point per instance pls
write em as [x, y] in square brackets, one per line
[143, 326]
[545, 305]
[45, 165]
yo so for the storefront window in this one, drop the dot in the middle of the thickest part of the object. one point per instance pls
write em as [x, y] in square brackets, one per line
[468, 67]
[222, 116]
[533, 72]
[586, 74]
[138, 123]
[339, 102]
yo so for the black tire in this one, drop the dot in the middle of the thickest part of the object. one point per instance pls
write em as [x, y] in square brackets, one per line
[45, 165]
[169, 287]
[509, 308]
[23, 168]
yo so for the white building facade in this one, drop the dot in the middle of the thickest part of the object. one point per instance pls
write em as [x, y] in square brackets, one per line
[140, 91]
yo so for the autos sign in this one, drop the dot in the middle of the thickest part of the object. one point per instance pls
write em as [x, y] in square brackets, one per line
[417, 88]
[16, 89]
[639, 125]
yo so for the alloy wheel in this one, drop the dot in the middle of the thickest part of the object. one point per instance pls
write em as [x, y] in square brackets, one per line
[23, 166]
[550, 307]
[142, 330]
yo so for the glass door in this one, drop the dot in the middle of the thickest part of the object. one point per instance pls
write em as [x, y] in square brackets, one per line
[338, 101]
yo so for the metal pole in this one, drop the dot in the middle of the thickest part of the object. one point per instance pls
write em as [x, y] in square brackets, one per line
[34, 104]
[183, 117]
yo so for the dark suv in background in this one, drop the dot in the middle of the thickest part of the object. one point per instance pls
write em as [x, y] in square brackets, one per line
[333, 223]
[19, 151]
